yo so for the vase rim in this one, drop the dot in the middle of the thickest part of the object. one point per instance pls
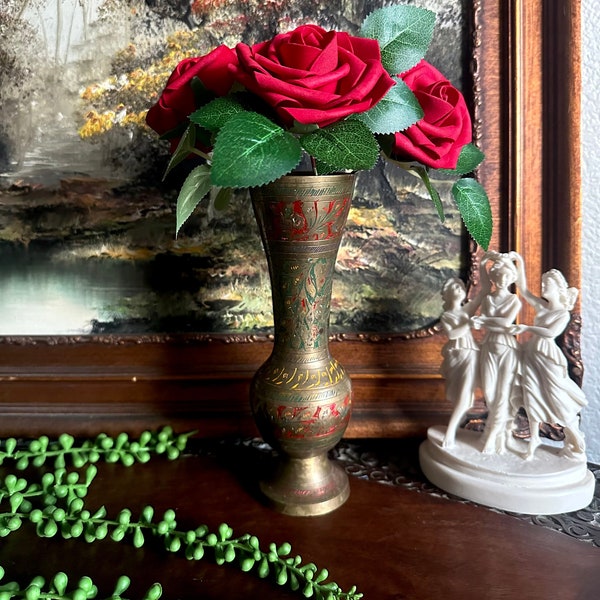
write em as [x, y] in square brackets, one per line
[306, 177]
[312, 176]
[328, 185]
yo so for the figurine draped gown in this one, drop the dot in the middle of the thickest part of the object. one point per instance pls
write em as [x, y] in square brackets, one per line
[498, 366]
[549, 394]
[460, 360]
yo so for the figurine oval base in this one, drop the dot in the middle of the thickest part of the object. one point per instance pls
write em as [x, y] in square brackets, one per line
[548, 484]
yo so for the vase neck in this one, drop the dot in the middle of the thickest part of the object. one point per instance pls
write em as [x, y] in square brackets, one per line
[301, 282]
[301, 222]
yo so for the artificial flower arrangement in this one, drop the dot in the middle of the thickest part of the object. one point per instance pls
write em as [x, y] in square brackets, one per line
[252, 114]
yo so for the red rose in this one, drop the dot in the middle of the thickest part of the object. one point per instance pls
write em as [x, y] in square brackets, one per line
[177, 101]
[437, 139]
[314, 76]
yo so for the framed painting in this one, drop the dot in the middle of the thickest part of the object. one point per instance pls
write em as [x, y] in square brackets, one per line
[110, 322]
[87, 238]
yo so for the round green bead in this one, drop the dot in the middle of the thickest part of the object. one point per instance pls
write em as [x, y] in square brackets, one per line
[122, 585]
[36, 515]
[76, 505]
[59, 515]
[175, 544]
[229, 553]
[76, 529]
[148, 514]
[106, 443]
[172, 452]
[79, 594]
[125, 516]
[85, 584]
[60, 582]
[138, 538]
[50, 529]
[101, 531]
[32, 592]
[247, 564]
[128, 460]
[162, 528]
[154, 593]
[169, 516]
[35, 446]
[145, 438]
[284, 549]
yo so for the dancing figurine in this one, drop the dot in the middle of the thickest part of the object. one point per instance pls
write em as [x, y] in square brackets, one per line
[499, 349]
[549, 394]
[527, 373]
[460, 364]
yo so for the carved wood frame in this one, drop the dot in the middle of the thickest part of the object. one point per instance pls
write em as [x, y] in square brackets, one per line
[525, 71]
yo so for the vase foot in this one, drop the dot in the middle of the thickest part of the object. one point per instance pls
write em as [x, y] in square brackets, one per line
[306, 487]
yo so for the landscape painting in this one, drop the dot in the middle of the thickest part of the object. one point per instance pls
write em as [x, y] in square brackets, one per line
[87, 221]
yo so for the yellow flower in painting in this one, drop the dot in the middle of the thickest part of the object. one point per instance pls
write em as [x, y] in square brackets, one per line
[123, 97]
[97, 124]
[136, 118]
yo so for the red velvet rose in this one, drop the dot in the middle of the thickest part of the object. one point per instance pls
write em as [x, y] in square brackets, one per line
[176, 102]
[437, 139]
[314, 76]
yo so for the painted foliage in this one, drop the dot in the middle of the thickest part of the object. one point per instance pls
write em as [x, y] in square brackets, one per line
[87, 241]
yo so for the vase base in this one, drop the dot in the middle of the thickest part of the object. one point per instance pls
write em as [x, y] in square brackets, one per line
[307, 487]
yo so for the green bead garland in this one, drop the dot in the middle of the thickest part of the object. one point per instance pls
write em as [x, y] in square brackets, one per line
[55, 506]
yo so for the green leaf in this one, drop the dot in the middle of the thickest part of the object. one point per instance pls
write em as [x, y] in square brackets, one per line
[303, 128]
[398, 110]
[175, 132]
[404, 34]
[215, 114]
[386, 143]
[470, 158]
[322, 168]
[185, 146]
[250, 150]
[435, 196]
[222, 198]
[194, 188]
[474, 207]
[347, 145]
[202, 94]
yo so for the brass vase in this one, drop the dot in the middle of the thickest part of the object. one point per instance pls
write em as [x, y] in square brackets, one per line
[301, 396]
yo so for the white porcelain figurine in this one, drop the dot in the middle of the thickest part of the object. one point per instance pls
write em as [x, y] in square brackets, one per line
[514, 366]
[460, 364]
[549, 395]
[499, 349]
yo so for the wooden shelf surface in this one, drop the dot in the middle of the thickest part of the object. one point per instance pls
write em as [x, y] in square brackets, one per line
[397, 539]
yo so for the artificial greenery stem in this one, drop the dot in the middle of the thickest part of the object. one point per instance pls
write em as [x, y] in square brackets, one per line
[55, 505]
